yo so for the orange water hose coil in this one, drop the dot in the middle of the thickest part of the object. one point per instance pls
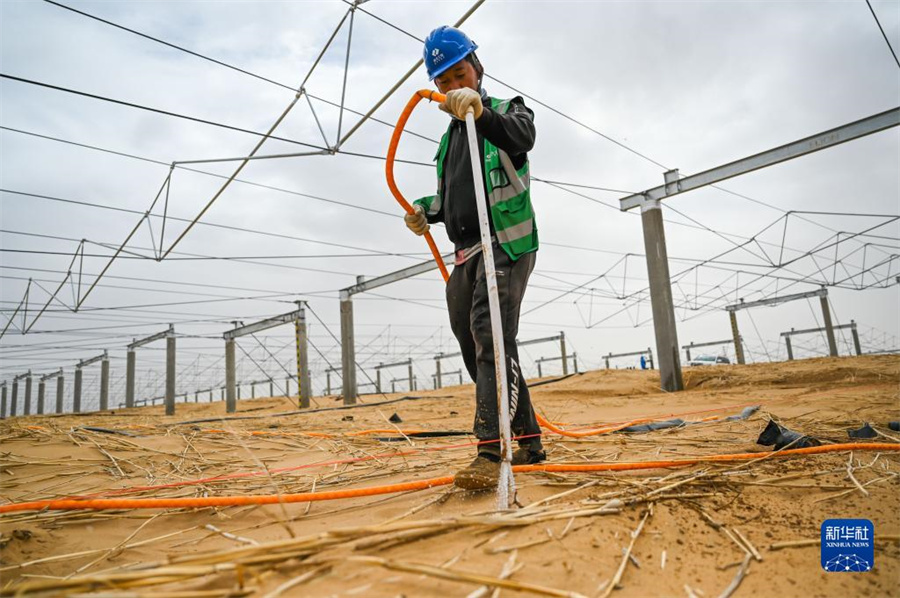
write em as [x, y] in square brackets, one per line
[231, 501]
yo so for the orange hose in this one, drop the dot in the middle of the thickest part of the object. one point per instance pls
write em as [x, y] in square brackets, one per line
[316, 434]
[549, 425]
[232, 501]
[389, 167]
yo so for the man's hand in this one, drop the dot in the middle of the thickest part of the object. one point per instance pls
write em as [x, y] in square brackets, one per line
[416, 221]
[458, 102]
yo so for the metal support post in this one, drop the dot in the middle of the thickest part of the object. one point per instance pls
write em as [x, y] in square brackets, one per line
[271, 388]
[412, 377]
[3, 401]
[14, 403]
[438, 383]
[60, 388]
[348, 352]
[575, 362]
[253, 390]
[304, 380]
[855, 334]
[42, 386]
[327, 382]
[562, 353]
[129, 378]
[787, 345]
[76, 396]
[104, 384]
[661, 300]
[378, 378]
[687, 351]
[736, 335]
[540, 373]
[197, 396]
[170, 374]
[829, 330]
[230, 400]
[606, 361]
[27, 409]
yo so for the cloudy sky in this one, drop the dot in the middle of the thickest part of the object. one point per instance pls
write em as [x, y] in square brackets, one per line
[621, 91]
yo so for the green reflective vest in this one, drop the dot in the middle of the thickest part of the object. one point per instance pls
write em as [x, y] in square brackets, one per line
[508, 194]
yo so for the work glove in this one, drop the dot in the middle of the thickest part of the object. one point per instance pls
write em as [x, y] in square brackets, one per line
[458, 102]
[416, 222]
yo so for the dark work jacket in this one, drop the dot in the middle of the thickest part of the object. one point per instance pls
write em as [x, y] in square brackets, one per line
[512, 132]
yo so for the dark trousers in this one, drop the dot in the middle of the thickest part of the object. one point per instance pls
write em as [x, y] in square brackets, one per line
[470, 320]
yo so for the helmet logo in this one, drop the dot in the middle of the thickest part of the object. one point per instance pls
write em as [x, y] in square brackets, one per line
[435, 52]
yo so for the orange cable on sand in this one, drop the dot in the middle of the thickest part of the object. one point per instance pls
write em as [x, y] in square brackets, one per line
[389, 166]
[230, 501]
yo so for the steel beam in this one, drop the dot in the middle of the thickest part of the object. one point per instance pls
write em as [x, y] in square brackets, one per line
[547, 339]
[776, 300]
[807, 145]
[287, 318]
[170, 331]
[55, 374]
[86, 362]
[363, 285]
[793, 332]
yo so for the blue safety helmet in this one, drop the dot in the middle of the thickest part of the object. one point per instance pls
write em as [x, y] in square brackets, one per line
[444, 47]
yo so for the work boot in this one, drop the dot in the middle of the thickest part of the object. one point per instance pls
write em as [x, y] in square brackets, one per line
[482, 474]
[525, 456]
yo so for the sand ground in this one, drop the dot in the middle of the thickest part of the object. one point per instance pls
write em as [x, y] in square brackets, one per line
[699, 522]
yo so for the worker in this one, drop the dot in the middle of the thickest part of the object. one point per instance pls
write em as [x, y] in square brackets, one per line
[506, 134]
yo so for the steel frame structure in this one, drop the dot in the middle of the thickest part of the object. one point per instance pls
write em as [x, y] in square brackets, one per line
[790, 333]
[298, 318]
[822, 294]
[103, 358]
[661, 300]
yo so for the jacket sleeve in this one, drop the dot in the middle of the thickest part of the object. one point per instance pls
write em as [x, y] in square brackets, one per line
[432, 216]
[513, 132]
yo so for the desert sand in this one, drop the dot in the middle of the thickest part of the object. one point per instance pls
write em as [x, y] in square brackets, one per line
[705, 530]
